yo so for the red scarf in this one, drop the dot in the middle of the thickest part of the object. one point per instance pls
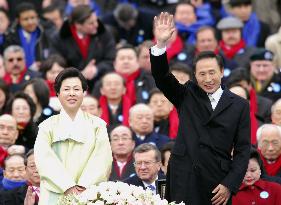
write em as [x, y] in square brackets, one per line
[8, 78]
[173, 123]
[230, 52]
[253, 111]
[116, 167]
[51, 88]
[83, 43]
[3, 155]
[130, 85]
[126, 104]
[273, 168]
[174, 48]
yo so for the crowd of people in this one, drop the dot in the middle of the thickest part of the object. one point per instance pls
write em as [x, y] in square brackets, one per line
[103, 49]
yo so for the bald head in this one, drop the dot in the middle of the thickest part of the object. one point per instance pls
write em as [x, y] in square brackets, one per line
[8, 130]
[141, 119]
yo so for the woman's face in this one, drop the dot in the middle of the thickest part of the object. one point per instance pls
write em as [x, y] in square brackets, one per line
[2, 98]
[253, 172]
[30, 91]
[21, 110]
[53, 72]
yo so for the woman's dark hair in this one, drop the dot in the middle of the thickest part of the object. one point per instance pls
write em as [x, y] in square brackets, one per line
[48, 63]
[41, 91]
[22, 95]
[80, 14]
[69, 73]
[206, 55]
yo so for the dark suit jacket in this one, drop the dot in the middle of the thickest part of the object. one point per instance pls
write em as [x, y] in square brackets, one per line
[201, 158]
[135, 180]
[128, 170]
[14, 197]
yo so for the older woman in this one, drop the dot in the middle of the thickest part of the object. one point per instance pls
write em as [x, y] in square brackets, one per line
[255, 190]
[22, 108]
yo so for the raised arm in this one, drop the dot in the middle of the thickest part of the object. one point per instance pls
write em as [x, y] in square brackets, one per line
[163, 30]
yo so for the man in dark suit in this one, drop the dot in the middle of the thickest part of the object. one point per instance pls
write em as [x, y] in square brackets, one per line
[147, 166]
[213, 122]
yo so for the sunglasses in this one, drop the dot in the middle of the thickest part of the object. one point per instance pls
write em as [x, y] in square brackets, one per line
[13, 59]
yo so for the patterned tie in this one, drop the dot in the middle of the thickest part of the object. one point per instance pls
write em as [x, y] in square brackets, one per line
[212, 100]
[151, 187]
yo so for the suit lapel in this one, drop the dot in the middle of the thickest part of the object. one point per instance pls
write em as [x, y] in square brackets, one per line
[224, 102]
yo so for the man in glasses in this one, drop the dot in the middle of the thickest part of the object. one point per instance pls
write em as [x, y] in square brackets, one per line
[147, 166]
[16, 71]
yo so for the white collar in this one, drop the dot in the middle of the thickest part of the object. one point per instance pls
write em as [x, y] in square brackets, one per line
[217, 94]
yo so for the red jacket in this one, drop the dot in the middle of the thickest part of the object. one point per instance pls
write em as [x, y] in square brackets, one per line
[261, 193]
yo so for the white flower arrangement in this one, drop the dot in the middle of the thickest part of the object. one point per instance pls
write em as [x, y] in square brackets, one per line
[115, 193]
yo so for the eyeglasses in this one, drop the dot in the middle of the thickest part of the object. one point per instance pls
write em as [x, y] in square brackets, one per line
[13, 59]
[145, 163]
[123, 139]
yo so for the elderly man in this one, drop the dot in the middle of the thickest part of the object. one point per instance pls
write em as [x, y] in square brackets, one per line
[141, 122]
[28, 194]
[14, 173]
[269, 143]
[8, 130]
[265, 77]
[16, 71]
[114, 103]
[91, 105]
[122, 145]
[147, 165]
[232, 46]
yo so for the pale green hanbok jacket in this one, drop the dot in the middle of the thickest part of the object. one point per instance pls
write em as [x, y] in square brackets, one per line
[69, 153]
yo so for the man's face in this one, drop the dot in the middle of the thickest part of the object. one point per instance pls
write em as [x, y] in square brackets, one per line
[146, 166]
[31, 171]
[240, 91]
[113, 87]
[144, 59]
[28, 20]
[121, 141]
[141, 121]
[4, 22]
[270, 143]
[161, 106]
[15, 169]
[21, 110]
[126, 61]
[185, 14]
[206, 41]
[231, 36]
[55, 17]
[208, 74]
[276, 114]
[262, 70]
[71, 94]
[253, 173]
[14, 63]
[181, 76]
[8, 130]
[90, 26]
[90, 105]
[243, 12]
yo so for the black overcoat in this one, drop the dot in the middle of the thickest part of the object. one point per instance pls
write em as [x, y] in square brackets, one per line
[201, 158]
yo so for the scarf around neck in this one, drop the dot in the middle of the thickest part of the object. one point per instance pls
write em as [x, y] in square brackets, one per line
[230, 52]
[83, 43]
[272, 168]
[251, 30]
[29, 46]
[11, 184]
